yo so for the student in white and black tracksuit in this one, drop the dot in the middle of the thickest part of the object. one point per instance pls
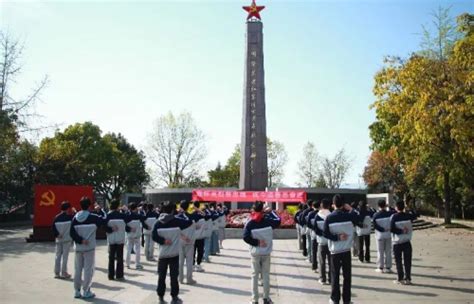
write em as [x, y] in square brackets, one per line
[135, 221]
[381, 222]
[61, 228]
[199, 218]
[364, 230]
[151, 218]
[402, 230]
[298, 227]
[83, 232]
[167, 233]
[310, 219]
[339, 229]
[186, 252]
[258, 233]
[324, 256]
[306, 236]
[116, 228]
[223, 212]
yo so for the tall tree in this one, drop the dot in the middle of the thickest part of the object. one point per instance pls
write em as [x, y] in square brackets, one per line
[438, 43]
[17, 155]
[81, 156]
[335, 169]
[384, 173]
[127, 170]
[176, 149]
[309, 167]
[277, 159]
[227, 176]
[429, 102]
[17, 109]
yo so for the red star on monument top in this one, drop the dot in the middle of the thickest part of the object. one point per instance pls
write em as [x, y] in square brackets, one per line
[253, 10]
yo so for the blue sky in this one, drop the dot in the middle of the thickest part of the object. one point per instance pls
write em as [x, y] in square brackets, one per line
[122, 64]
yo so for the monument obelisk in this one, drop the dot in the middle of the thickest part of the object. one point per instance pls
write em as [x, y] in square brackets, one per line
[253, 149]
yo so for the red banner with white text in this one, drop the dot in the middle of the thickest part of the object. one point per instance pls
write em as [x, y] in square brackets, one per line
[289, 196]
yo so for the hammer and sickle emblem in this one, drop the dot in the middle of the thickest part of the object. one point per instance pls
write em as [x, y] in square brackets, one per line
[47, 198]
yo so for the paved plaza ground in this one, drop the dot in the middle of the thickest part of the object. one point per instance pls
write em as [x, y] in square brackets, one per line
[443, 272]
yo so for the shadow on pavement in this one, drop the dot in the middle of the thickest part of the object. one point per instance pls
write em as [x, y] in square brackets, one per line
[232, 265]
[313, 291]
[229, 275]
[464, 290]
[225, 290]
[106, 287]
[393, 290]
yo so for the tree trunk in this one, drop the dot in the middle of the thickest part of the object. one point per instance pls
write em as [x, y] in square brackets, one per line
[462, 212]
[438, 206]
[447, 199]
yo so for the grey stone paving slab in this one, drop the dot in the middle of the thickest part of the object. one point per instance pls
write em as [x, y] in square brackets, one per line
[443, 272]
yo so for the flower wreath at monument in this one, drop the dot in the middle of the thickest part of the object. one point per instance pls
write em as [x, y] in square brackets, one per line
[238, 218]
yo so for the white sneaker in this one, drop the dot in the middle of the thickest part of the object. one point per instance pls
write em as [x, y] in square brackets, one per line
[199, 268]
[378, 270]
[88, 295]
[388, 270]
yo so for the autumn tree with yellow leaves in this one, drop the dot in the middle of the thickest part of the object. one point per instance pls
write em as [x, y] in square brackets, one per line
[425, 112]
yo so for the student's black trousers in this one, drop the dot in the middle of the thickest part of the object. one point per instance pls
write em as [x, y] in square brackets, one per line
[303, 240]
[404, 250]
[163, 264]
[199, 249]
[338, 261]
[314, 257]
[116, 254]
[364, 239]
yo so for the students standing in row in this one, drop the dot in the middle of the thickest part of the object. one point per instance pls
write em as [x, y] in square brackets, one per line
[324, 256]
[298, 226]
[339, 230]
[167, 233]
[150, 219]
[307, 233]
[363, 231]
[402, 230]
[258, 233]
[83, 232]
[61, 231]
[187, 245]
[381, 222]
[214, 248]
[310, 221]
[222, 211]
[116, 227]
[135, 221]
[199, 218]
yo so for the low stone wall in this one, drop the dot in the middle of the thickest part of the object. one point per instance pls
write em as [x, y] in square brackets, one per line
[282, 234]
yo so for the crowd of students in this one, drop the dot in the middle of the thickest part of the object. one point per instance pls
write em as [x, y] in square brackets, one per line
[183, 237]
[327, 231]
